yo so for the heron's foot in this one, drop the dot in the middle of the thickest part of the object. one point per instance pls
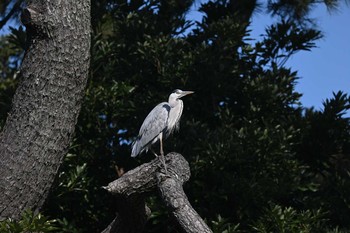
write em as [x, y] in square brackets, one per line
[162, 159]
[164, 176]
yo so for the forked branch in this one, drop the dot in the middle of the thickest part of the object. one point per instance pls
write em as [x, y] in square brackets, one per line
[134, 185]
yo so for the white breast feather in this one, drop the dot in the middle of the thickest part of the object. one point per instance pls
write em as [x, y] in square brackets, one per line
[174, 117]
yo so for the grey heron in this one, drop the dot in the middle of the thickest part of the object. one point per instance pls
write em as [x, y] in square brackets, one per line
[159, 124]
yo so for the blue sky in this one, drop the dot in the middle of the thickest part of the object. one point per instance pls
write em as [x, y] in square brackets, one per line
[327, 67]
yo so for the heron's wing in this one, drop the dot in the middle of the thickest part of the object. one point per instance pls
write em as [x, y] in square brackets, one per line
[155, 121]
[153, 125]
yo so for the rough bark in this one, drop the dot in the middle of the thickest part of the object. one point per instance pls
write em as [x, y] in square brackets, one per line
[149, 177]
[176, 200]
[46, 104]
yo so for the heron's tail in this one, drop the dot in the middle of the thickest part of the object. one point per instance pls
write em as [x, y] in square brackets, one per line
[136, 148]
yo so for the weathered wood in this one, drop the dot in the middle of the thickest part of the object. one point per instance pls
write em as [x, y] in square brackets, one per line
[143, 178]
[46, 104]
[176, 200]
[150, 177]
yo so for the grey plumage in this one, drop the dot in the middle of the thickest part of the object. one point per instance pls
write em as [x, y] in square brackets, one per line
[160, 123]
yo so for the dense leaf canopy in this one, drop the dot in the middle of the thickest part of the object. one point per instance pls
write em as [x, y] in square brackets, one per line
[260, 161]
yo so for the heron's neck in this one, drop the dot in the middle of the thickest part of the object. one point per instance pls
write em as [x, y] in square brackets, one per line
[173, 102]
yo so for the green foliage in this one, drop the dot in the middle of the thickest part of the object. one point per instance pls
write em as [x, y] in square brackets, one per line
[11, 47]
[283, 40]
[11, 52]
[288, 220]
[328, 163]
[222, 225]
[337, 230]
[30, 222]
[299, 10]
[259, 161]
[9, 11]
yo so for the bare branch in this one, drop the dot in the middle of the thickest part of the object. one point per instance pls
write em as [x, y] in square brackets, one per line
[176, 200]
[137, 183]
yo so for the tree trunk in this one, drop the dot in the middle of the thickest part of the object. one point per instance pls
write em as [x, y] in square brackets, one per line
[46, 104]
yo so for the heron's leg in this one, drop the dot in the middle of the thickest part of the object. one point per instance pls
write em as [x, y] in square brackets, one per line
[161, 151]
[161, 143]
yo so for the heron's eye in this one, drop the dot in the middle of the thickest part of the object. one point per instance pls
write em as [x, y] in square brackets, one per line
[178, 92]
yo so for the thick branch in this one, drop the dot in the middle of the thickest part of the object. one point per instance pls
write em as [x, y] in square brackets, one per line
[143, 179]
[176, 200]
[150, 177]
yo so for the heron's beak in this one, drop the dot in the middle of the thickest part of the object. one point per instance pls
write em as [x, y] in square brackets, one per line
[186, 93]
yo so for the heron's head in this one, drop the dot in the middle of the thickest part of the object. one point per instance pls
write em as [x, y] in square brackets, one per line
[177, 94]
